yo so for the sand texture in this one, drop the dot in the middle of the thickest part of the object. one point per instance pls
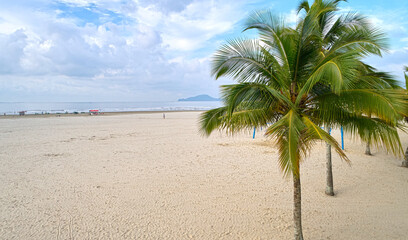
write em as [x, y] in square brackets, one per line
[138, 176]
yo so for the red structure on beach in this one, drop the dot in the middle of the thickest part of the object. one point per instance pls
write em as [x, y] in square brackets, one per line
[93, 112]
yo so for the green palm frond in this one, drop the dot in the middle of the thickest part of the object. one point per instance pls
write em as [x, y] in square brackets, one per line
[378, 132]
[287, 132]
[315, 132]
[245, 59]
[337, 72]
[369, 41]
[235, 122]
[274, 34]
[385, 104]
[211, 120]
[247, 119]
[369, 77]
[303, 5]
[406, 77]
[253, 93]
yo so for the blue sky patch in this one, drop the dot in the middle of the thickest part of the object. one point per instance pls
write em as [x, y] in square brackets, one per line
[87, 14]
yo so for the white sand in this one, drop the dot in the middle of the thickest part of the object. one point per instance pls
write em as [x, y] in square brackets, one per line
[139, 176]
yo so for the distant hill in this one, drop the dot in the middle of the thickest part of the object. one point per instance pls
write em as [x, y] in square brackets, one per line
[203, 97]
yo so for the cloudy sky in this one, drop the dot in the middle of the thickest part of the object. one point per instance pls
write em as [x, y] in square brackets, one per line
[142, 50]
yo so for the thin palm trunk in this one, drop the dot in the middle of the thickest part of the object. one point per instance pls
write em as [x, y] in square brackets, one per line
[297, 210]
[405, 162]
[329, 171]
[368, 150]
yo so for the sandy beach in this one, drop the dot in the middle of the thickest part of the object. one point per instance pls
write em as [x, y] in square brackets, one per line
[139, 176]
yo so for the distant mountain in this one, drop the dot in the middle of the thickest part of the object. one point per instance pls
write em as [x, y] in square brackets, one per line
[203, 97]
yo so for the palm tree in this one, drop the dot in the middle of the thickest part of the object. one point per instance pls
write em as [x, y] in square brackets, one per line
[285, 79]
[371, 78]
[334, 29]
[405, 162]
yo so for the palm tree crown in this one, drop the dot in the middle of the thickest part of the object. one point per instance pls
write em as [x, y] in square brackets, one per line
[299, 79]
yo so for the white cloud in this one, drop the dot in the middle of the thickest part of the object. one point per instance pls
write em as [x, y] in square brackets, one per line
[392, 62]
[129, 59]
[123, 49]
[291, 18]
[193, 26]
[386, 25]
[12, 50]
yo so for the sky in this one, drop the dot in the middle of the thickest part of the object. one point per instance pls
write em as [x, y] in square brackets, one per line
[144, 50]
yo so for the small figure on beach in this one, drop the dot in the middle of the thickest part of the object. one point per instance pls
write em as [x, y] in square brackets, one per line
[164, 116]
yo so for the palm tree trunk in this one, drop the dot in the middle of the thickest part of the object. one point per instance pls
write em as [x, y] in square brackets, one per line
[329, 172]
[297, 210]
[368, 150]
[405, 162]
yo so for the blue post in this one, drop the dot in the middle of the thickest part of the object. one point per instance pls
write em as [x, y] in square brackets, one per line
[342, 138]
[253, 137]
